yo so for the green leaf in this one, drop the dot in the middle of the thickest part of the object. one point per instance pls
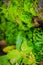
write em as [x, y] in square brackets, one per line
[25, 48]
[19, 41]
[4, 60]
[14, 56]
[32, 10]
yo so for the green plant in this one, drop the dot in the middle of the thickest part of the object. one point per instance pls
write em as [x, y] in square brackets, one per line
[16, 28]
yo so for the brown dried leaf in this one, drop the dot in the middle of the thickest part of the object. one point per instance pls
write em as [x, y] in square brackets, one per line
[2, 43]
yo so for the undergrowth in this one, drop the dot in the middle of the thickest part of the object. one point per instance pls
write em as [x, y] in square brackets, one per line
[24, 43]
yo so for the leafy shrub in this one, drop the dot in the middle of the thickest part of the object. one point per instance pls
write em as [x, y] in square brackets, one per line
[16, 28]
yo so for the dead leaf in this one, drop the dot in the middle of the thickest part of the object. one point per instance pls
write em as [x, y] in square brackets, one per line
[2, 43]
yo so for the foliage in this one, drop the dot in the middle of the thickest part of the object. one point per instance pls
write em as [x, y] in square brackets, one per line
[24, 44]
